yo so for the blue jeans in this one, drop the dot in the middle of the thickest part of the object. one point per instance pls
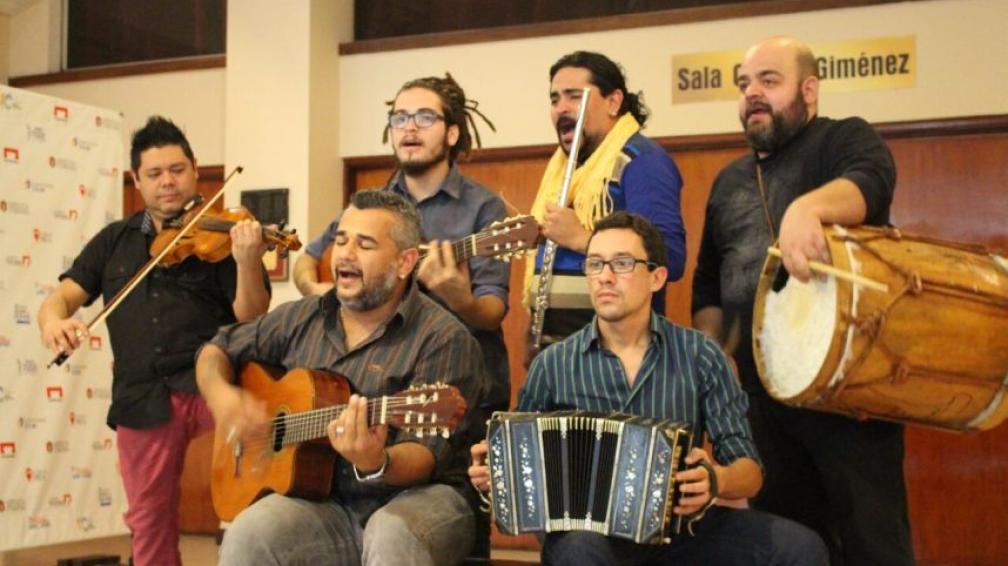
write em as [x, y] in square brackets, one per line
[729, 537]
[426, 525]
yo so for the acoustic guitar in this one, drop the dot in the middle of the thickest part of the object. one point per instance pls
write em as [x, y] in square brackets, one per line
[504, 240]
[294, 457]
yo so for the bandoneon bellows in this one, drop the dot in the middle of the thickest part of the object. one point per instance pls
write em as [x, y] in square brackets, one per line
[609, 473]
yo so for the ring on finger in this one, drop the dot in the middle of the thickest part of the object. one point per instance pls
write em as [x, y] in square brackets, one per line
[339, 430]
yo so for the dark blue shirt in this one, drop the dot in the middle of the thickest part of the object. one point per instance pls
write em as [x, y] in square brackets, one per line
[684, 377]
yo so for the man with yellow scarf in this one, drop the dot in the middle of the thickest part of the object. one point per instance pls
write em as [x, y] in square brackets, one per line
[618, 169]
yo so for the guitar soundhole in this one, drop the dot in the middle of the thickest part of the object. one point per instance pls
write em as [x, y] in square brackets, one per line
[279, 431]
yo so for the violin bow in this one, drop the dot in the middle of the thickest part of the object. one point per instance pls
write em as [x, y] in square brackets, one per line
[147, 268]
[541, 302]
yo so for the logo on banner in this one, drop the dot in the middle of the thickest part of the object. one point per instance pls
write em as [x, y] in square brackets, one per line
[8, 102]
[4, 341]
[21, 314]
[44, 289]
[36, 474]
[95, 342]
[55, 447]
[14, 207]
[100, 393]
[4, 395]
[37, 186]
[23, 261]
[109, 123]
[13, 505]
[80, 473]
[83, 144]
[54, 393]
[27, 367]
[110, 172]
[8, 449]
[35, 133]
[61, 113]
[104, 497]
[36, 522]
[75, 369]
[40, 236]
[28, 423]
[11, 154]
[69, 214]
[105, 444]
[64, 500]
[77, 419]
[62, 163]
[85, 524]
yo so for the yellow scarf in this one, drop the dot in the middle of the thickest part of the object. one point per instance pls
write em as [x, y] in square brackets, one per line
[589, 189]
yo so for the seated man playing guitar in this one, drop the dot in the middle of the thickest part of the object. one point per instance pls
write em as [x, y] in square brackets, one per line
[396, 498]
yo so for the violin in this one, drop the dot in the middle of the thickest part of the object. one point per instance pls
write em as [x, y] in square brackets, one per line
[209, 239]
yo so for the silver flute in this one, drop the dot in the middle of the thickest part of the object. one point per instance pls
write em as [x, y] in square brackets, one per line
[541, 302]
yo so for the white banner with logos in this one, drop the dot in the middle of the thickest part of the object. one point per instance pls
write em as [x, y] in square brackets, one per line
[60, 183]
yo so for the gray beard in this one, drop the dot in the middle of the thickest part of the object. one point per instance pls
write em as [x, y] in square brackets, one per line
[373, 295]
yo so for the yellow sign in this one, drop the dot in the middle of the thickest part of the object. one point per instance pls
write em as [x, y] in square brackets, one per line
[856, 65]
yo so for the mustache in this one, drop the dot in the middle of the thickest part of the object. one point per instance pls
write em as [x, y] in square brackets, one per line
[565, 123]
[757, 106]
[347, 266]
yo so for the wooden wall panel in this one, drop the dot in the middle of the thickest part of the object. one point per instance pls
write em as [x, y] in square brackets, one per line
[952, 180]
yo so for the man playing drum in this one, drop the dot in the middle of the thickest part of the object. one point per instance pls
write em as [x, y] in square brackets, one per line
[842, 477]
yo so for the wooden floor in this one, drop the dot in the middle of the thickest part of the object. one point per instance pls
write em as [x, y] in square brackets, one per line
[197, 550]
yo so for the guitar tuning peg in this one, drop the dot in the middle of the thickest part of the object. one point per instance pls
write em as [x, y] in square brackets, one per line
[444, 432]
[419, 433]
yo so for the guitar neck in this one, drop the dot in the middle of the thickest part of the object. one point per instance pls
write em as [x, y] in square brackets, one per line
[463, 249]
[295, 428]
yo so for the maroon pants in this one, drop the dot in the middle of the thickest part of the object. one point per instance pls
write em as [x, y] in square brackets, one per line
[151, 461]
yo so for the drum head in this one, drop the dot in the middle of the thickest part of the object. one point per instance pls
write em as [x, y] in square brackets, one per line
[794, 334]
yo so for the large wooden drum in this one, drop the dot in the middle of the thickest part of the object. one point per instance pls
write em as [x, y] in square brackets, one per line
[933, 350]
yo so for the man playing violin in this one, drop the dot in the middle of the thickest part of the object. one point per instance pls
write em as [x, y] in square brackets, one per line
[155, 332]
[397, 499]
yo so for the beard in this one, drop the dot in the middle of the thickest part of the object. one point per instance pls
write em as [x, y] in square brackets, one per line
[422, 165]
[784, 124]
[588, 142]
[374, 293]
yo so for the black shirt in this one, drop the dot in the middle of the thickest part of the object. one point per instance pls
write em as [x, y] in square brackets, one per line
[736, 235]
[157, 329]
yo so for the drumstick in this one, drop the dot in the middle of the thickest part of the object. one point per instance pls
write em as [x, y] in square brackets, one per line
[838, 273]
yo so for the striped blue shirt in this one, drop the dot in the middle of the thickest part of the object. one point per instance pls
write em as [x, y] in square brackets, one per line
[684, 377]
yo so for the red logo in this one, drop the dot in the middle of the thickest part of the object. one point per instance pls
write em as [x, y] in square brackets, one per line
[13, 155]
[95, 342]
[7, 449]
[73, 417]
[88, 393]
[72, 214]
[67, 499]
[49, 446]
[28, 474]
[61, 113]
[52, 161]
[26, 260]
[97, 121]
[3, 206]
[36, 234]
[108, 444]
[3, 506]
[82, 190]
[54, 392]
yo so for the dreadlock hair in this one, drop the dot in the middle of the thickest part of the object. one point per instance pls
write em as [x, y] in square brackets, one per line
[458, 111]
[608, 76]
[158, 132]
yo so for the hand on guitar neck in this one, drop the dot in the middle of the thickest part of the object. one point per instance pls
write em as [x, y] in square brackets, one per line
[355, 439]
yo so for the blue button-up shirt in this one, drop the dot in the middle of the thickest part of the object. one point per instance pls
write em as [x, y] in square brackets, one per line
[684, 377]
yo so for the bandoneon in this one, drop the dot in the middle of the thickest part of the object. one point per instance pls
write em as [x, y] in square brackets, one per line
[608, 473]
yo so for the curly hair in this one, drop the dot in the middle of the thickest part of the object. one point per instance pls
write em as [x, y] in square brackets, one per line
[608, 76]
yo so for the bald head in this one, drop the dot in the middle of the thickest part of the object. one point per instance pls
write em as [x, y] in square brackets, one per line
[779, 91]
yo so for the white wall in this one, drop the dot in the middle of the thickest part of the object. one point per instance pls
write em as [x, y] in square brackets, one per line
[4, 47]
[35, 38]
[960, 48]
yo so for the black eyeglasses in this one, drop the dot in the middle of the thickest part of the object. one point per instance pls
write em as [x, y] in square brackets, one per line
[622, 264]
[422, 119]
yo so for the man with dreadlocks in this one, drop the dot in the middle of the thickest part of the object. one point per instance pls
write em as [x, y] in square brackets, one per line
[429, 121]
[618, 169]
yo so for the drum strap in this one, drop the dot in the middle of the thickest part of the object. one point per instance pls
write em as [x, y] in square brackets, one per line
[763, 199]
